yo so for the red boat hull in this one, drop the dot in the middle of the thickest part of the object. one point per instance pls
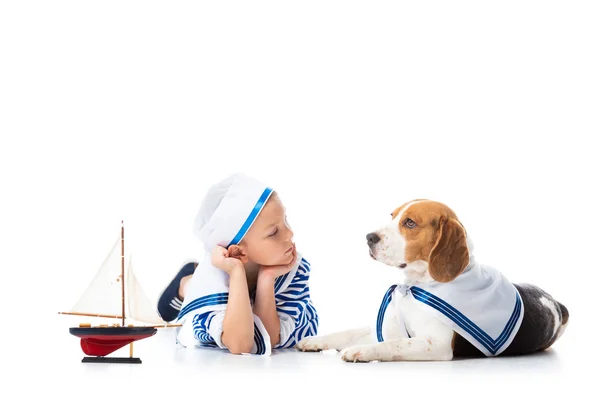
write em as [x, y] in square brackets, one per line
[100, 342]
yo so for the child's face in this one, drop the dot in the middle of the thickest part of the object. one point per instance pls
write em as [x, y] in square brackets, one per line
[269, 241]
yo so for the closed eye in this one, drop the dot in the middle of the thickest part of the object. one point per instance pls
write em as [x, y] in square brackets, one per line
[409, 223]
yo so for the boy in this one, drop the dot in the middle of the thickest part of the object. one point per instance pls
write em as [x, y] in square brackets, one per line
[250, 293]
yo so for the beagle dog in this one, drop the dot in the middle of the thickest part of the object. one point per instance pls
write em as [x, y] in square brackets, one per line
[450, 306]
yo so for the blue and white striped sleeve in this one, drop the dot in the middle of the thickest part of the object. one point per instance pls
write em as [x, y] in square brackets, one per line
[297, 313]
[208, 328]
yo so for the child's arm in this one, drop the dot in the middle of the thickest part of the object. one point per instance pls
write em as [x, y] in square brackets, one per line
[264, 306]
[238, 322]
[290, 316]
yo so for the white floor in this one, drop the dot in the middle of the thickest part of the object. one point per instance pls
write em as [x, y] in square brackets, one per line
[55, 362]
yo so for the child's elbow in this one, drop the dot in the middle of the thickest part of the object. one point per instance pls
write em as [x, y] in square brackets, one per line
[240, 347]
[238, 344]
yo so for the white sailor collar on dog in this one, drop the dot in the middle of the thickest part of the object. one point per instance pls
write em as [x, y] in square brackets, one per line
[480, 304]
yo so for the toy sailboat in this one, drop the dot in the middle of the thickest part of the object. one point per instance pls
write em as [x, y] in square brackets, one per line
[111, 292]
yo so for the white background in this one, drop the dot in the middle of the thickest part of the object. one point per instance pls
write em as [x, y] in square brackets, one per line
[130, 109]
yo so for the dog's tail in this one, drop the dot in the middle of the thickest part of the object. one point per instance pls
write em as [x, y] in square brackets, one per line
[564, 316]
[564, 313]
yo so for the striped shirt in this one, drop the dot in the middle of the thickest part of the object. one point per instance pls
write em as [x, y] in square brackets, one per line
[297, 314]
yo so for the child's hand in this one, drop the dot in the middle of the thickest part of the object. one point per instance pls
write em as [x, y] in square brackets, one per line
[275, 271]
[220, 258]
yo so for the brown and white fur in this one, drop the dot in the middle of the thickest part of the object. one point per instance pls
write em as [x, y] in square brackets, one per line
[426, 240]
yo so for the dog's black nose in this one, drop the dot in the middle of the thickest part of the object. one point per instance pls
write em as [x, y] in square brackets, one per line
[372, 238]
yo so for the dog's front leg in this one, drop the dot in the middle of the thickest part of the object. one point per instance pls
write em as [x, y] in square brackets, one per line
[404, 349]
[337, 340]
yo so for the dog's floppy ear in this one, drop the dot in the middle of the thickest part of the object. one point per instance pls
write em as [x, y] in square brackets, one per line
[450, 255]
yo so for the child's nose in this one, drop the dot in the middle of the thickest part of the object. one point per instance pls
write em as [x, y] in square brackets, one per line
[289, 234]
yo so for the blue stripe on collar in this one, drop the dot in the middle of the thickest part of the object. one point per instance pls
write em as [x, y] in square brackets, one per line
[210, 300]
[492, 345]
[253, 214]
[387, 298]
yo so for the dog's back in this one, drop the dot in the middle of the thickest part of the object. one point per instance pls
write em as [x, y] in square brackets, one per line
[544, 321]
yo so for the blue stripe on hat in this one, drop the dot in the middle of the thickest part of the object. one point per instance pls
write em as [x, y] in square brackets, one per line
[253, 214]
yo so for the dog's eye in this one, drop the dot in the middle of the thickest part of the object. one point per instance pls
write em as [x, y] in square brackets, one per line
[409, 223]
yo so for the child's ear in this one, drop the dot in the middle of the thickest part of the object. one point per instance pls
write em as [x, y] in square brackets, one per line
[236, 251]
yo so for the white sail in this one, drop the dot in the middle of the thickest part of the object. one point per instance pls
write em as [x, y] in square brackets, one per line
[103, 295]
[139, 306]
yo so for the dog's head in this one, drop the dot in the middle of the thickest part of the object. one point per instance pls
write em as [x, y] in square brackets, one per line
[424, 236]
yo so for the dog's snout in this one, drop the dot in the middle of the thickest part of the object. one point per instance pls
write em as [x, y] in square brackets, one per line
[372, 238]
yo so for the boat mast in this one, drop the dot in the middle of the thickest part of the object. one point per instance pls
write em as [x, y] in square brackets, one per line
[122, 274]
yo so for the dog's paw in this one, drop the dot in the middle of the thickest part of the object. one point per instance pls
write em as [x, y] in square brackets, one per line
[312, 343]
[359, 354]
